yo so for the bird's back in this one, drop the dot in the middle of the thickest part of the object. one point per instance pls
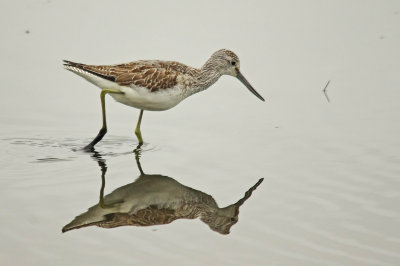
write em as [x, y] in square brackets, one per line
[151, 74]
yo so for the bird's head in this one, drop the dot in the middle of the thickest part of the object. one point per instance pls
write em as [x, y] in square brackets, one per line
[228, 63]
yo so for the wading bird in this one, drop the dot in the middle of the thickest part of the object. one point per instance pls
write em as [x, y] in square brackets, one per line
[155, 85]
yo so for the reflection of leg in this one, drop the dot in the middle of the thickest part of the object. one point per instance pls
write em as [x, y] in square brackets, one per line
[103, 168]
[103, 129]
[103, 184]
[137, 153]
[137, 130]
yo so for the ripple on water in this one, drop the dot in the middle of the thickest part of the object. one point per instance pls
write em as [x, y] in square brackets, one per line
[54, 150]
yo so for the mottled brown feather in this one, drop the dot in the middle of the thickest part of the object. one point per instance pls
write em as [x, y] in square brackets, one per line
[154, 75]
[145, 217]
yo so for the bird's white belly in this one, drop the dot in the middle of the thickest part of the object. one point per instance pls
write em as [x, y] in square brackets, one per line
[144, 99]
[139, 97]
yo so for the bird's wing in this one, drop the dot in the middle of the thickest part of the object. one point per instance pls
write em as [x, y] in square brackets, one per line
[153, 75]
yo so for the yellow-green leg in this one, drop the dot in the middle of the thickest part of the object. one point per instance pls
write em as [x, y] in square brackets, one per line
[103, 129]
[138, 133]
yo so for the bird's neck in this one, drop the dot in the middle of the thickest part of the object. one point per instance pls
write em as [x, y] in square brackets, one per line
[208, 74]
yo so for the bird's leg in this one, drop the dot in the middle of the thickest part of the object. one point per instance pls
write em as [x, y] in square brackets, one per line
[103, 129]
[137, 130]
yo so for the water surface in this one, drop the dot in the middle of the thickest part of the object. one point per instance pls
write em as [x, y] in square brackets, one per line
[330, 191]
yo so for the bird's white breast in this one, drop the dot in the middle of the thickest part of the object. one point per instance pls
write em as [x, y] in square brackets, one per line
[143, 98]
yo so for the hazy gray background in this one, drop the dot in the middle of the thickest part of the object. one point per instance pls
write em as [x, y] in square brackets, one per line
[331, 189]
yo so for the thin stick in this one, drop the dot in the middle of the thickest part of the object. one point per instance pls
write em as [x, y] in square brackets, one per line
[324, 90]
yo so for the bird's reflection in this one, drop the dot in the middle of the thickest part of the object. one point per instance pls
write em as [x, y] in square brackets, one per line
[156, 200]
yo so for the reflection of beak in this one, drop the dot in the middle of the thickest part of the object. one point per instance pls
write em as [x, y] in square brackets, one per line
[247, 84]
[248, 193]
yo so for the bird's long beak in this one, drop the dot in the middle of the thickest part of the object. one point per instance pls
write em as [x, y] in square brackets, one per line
[247, 84]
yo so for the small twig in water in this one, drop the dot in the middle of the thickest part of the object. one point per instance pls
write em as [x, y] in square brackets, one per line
[324, 90]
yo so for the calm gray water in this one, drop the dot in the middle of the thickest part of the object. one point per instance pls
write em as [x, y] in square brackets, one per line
[331, 188]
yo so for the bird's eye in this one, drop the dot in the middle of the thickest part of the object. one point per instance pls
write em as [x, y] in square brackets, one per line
[233, 63]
